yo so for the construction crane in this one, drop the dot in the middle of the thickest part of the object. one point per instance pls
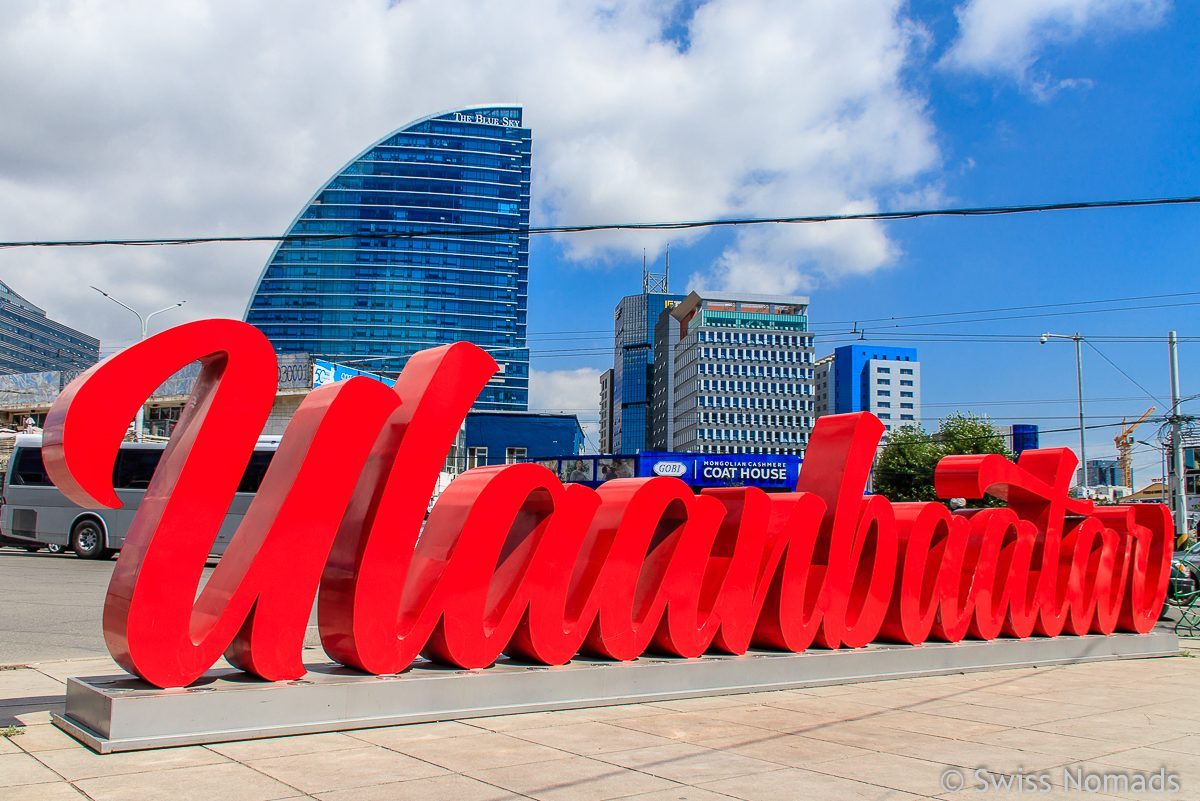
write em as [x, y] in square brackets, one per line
[1124, 443]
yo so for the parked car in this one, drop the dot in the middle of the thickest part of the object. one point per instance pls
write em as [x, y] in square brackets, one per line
[1191, 559]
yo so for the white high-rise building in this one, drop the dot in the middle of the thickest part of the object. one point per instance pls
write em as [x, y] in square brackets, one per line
[742, 374]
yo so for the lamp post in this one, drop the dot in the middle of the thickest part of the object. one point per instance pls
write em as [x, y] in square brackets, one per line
[145, 322]
[1077, 339]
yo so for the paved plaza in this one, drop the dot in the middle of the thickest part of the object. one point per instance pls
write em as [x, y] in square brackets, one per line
[913, 738]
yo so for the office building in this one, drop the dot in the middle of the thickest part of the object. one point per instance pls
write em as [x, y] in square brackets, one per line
[662, 383]
[824, 386]
[510, 437]
[606, 410]
[1103, 473]
[742, 374]
[885, 381]
[30, 342]
[633, 361]
[420, 240]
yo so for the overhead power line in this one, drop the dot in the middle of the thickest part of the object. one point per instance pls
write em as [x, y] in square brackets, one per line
[682, 225]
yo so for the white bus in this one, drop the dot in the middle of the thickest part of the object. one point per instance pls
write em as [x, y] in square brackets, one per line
[34, 514]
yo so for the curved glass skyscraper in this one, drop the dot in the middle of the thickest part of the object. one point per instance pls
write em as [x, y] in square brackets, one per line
[422, 239]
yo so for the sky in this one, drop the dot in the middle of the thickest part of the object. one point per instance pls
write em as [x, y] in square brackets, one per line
[147, 119]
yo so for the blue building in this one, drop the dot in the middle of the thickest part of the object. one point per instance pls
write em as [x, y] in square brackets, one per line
[871, 378]
[494, 437]
[1024, 438]
[633, 362]
[30, 342]
[420, 240]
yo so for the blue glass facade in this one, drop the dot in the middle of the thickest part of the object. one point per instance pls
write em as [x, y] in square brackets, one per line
[419, 241]
[30, 342]
[1024, 438]
[633, 360]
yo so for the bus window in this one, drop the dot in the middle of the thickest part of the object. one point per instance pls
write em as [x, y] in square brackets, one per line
[27, 469]
[135, 467]
[255, 470]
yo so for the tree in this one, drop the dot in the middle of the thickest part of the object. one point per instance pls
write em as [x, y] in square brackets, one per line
[904, 470]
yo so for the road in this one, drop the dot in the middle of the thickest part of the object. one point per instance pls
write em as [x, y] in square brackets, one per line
[51, 607]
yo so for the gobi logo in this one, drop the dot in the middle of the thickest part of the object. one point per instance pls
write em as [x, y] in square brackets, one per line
[672, 469]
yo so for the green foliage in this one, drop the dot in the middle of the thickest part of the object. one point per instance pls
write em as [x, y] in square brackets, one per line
[904, 470]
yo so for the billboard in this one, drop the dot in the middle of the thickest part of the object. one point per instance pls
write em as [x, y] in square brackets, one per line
[766, 471]
[325, 372]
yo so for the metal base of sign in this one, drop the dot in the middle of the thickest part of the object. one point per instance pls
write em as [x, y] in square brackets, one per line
[111, 714]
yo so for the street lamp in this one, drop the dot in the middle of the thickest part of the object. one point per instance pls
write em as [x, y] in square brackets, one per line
[145, 322]
[1077, 339]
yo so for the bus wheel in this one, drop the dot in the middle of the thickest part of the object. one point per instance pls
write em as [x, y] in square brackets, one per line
[87, 540]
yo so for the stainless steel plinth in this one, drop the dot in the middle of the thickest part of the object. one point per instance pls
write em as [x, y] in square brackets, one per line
[119, 713]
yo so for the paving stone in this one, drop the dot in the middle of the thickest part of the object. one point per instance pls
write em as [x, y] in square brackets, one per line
[789, 750]
[44, 737]
[396, 736]
[52, 791]
[938, 725]
[691, 727]
[246, 750]
[590, 737]
[895, 771]
[688, 764]
[20, 769]
[479, 751]
[451, 787]
[793, 784]
[225, 782]
[679, 793]
[344, 769]
[77, 762]
[571, 779]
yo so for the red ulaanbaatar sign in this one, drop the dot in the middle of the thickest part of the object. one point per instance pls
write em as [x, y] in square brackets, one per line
[511, 561]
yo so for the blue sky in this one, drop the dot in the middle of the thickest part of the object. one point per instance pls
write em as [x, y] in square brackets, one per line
[148, 119]
[1128, 130]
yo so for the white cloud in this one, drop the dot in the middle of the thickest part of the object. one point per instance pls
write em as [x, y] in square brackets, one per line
[573, 391]
[150, 119]
[1007, 37]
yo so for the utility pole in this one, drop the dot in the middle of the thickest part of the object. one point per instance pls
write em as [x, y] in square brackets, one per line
[1078, 340]
[1178, 479]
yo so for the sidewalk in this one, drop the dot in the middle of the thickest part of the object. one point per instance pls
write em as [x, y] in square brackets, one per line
[912, 738]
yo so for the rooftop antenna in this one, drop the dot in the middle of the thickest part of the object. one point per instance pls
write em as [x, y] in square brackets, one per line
[655, 283]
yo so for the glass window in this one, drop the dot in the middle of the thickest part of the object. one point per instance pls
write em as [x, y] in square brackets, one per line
[515, 455]
[255, 471]
[135, 467]
[28, 470]
[476, 457]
